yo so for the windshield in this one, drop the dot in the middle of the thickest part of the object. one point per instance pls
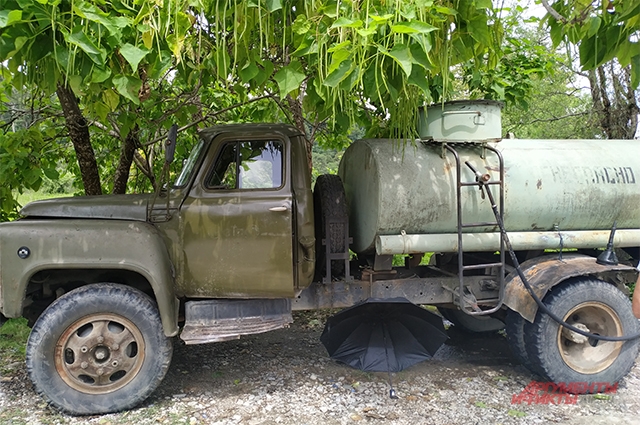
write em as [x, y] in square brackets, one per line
[188, 165]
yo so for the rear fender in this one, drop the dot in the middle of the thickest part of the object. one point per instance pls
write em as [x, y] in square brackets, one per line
[543, 273]
[85, 244]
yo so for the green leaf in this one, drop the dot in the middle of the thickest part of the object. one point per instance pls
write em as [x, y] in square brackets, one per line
[479, 30]
[99, 75]
[273, 5]
[483, 4]
[420, 57]
[588, 53]
[446, 10]
[339, 46]
[402, 55]
[101, 110]
[499, 90]
[111, 99]
[418, 78]
[413, 27]
[51, 173]
[308, 46]
[381, 19]
[289, 78]
[343, 22]
[339, 74]
[336, 59]
[635, 72]
[128, 87]
[301, 25]
[80, 39]
[75, 82]
[133, 55]
[594, 26]
[248, 72]
[94, 14]
[9, 17]
[264, 73]
[367, 32]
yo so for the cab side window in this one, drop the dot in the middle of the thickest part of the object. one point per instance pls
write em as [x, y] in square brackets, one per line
[248, 165]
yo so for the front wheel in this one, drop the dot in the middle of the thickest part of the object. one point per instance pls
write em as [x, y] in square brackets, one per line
[564, 356]
[98, 349]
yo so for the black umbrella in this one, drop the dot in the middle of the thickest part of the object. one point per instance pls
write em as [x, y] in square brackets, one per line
[383, 335]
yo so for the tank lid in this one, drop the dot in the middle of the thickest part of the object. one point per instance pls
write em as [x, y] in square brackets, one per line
[475, 121]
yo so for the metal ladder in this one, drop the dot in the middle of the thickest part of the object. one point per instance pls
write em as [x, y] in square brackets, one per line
[468, 303]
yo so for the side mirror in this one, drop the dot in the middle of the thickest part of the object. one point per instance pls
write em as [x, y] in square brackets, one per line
[170, 144]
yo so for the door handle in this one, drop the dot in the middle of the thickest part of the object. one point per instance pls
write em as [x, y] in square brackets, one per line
[278, 209]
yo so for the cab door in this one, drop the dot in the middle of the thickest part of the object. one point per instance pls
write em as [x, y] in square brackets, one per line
[237, 221]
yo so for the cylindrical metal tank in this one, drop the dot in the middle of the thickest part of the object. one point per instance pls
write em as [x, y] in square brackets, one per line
[551, 186]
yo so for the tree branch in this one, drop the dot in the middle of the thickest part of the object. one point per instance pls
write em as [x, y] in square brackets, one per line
[554, 13]
[211, 115]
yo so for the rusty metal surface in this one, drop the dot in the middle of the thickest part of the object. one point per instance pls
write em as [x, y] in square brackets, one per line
[223, 320]
[545, 272]
[100, 353]
[430, 290]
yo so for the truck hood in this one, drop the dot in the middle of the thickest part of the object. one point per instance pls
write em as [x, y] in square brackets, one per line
[117, 207]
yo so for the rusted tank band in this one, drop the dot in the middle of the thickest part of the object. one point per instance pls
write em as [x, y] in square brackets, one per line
[478, 242]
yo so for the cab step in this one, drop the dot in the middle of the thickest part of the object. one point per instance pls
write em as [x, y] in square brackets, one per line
[223, 320]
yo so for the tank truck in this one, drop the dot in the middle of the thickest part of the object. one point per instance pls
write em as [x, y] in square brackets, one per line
[240, 240]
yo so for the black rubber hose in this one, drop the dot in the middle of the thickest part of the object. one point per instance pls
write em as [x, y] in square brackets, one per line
[538, 301]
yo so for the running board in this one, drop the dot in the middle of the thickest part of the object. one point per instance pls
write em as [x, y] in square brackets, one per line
[224, 320]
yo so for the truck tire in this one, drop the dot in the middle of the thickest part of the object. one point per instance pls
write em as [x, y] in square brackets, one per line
[560, 355]
[98, 349]
[464, 322]
[330, 203]
[514, 327]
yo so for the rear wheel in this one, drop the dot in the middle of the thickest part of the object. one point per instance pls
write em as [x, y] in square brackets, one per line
[98, 349]
[561, 355]
[330, 204]
[514, 327]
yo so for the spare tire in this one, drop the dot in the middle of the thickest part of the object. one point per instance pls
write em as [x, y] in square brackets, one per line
[330, 204]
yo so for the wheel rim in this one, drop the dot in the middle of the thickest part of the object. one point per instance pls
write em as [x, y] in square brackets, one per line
[590, 356]
[99, 353]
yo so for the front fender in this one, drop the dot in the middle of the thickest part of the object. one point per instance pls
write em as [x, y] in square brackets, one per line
[85, 244]
[543, 273]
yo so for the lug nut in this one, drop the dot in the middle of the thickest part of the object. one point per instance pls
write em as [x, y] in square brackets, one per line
[100, 339]
[84, 365]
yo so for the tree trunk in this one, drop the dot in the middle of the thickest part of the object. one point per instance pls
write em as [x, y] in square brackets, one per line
[614, 100]
[121, 178]
[298, 117]
[79, 135]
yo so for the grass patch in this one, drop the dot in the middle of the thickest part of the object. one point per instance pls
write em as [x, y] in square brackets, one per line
[13, 339]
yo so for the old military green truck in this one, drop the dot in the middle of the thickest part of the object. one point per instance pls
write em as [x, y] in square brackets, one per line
[239, 240]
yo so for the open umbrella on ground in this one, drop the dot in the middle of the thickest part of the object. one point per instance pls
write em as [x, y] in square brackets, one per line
[383, 335]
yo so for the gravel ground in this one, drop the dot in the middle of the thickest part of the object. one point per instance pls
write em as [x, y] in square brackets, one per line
[285, 377]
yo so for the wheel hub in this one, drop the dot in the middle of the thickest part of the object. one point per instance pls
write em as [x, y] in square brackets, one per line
[100, 353]
[590, 355]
